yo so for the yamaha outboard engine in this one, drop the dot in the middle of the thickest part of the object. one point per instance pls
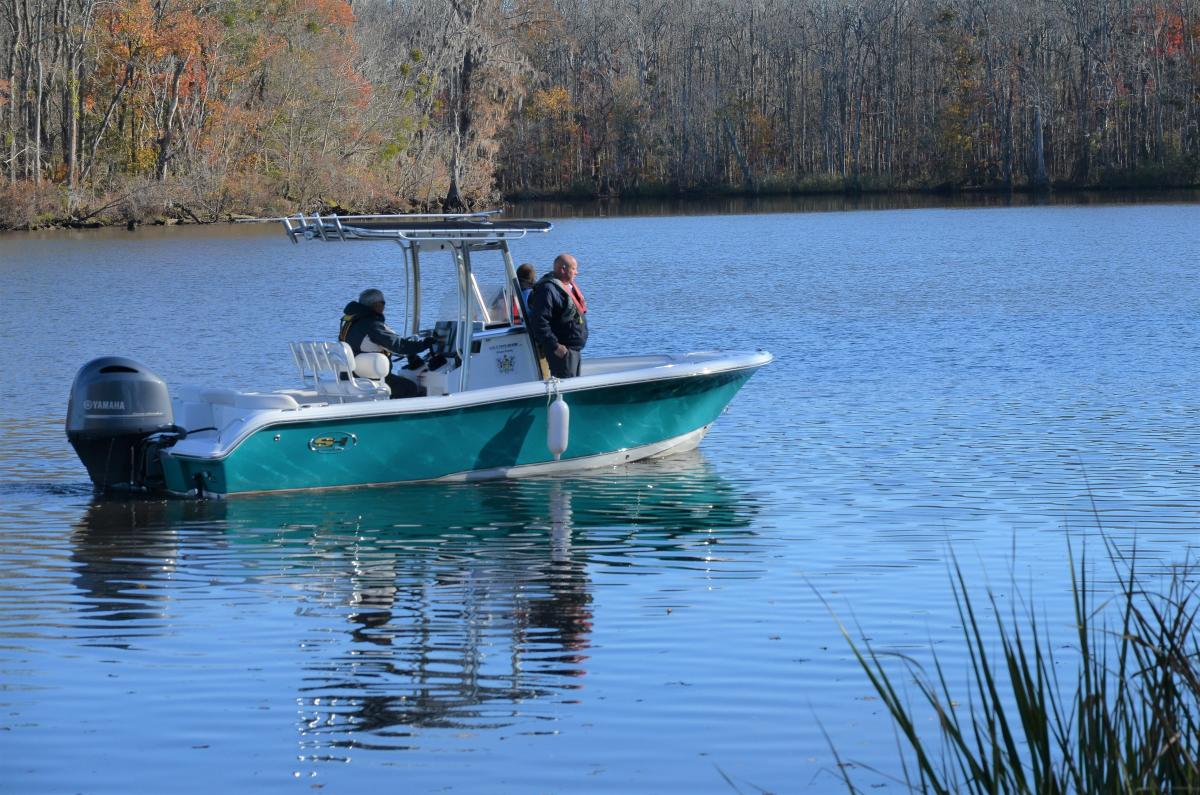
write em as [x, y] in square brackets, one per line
[116, 406]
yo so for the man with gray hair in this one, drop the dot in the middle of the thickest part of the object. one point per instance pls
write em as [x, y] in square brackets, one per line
[366, 330]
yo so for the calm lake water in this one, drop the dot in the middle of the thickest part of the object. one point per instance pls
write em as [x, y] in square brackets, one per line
[948, 381]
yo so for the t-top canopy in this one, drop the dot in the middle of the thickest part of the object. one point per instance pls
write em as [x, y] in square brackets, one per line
[444, 227]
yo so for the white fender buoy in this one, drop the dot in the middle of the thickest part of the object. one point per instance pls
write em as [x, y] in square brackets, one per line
[558, 426]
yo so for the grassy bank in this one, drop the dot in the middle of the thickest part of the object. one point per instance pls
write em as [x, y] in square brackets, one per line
[1118, 710]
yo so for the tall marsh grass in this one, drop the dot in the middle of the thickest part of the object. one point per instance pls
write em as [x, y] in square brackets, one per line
[1115, 711]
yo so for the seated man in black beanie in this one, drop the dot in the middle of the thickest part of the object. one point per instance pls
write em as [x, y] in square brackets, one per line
[366, 330]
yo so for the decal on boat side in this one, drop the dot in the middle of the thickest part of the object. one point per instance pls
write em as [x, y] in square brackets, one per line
[506, 357]
[333, 443]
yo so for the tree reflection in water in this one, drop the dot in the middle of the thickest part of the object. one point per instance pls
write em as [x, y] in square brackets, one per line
[459, 604]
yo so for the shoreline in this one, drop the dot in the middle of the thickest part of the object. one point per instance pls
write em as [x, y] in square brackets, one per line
[568, 204]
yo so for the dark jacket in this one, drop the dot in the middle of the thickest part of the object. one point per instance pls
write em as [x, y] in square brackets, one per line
[361, 323]
[554, 318]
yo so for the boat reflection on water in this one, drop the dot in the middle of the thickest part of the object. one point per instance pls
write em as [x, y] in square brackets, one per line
[125, 551]
[428, 605]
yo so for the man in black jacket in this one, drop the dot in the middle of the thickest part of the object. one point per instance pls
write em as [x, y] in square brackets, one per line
[558, 317]
[366, 330]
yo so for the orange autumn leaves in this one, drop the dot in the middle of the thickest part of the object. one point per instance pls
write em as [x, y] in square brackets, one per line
[186, 78]
[254, 106]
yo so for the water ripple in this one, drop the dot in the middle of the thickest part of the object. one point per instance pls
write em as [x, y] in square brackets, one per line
[976, 386]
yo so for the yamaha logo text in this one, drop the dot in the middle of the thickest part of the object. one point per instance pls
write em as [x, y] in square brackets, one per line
[118, 405]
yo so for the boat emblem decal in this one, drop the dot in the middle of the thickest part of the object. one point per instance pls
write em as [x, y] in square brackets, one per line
[332, 443]
[505, 363]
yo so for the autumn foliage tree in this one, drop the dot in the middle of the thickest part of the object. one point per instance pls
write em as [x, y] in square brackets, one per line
[204, 108]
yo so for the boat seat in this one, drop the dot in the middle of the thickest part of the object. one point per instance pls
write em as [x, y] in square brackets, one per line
[265, 400]
[219, 396]
[304, 397]
[329, 367]
[372, 366]
[248, 400]
[218, 407]
[192, 411]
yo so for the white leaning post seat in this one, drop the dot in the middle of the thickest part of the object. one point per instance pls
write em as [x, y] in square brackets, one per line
[372, 366]
[330, 368]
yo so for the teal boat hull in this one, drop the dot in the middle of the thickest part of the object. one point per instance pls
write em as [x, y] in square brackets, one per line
[609, 424]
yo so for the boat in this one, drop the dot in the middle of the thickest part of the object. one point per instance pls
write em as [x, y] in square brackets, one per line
[489, 408]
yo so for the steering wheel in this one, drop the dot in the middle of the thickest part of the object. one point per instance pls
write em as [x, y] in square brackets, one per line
[413, 361]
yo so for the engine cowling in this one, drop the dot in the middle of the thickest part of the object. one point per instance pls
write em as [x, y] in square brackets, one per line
[116, 405]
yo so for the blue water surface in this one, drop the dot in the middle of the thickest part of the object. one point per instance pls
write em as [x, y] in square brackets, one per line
[970, 385]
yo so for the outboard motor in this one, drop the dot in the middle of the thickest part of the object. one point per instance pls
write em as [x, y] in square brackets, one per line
[116, 406]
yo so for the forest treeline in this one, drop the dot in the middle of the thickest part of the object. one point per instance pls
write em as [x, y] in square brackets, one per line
[130, 109]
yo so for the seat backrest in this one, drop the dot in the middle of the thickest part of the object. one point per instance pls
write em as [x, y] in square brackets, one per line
[372, 366]
[318, 358]
[342, 357]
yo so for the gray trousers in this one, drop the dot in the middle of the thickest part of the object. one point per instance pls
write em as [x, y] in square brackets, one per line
[566, 367]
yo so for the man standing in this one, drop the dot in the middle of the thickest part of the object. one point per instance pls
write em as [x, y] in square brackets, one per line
[366, 331]
[558, 317]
